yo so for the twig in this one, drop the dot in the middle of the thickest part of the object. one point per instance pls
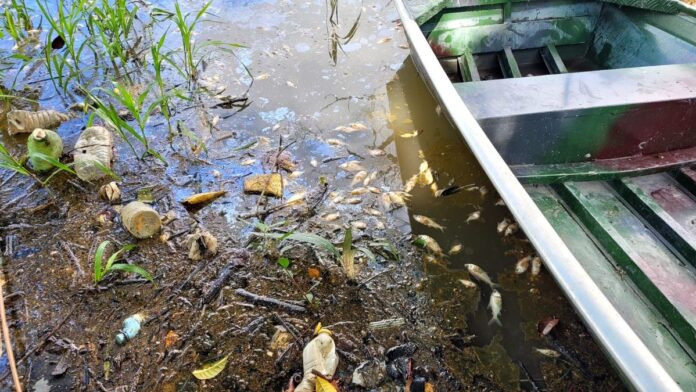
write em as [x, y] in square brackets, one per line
[269, 301]
[288, 327]
[72, 256]
[8, 343]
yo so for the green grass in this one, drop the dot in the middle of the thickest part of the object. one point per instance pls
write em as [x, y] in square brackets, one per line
[102, 269]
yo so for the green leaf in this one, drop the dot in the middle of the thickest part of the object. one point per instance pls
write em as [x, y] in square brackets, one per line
[284, 262]
[307, 238]
[133, 269]
[98, 257]
[367, 252]
[211, 370]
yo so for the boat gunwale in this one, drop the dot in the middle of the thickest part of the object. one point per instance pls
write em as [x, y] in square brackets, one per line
[626, 350]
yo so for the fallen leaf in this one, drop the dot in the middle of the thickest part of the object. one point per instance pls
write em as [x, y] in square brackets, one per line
[429, 387]
[313, 273]
[205, 197]
[170, 339]
[324, 385]
[211, 370]
[267, 184]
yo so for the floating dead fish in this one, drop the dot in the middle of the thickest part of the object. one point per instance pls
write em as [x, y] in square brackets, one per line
[483, 191]
[468, 284]
[24, 121]
[503, 225]
[338, 199]
[495, 304]
[352, 166]
[358, 178]
[450, 190]
[383, 40]
[511, 229]
[424, 220]
[474, 216]
[296, 174]
[377, 152]
[248, 162]
[297, 198]
[373, 212]
[263, 76]
[410, 135]
[335, 142]
[455, 249]
[500, 203]
[411, 183]
[522, 265]
[369, 178]
[480, 275]
[434, 260]
[429, 243]
[353, 127]
[314, 162]
[379, 225]
[266, 184]
[360, 225]
[536, 266]
[331, 217]
[374, 190]
[547, 352]
[200, 198]
[386, 201]
[353, 200]
[359, 191]
[425, 175]
[398, 198]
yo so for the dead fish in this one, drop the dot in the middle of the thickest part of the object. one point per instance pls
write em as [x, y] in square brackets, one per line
[483, 191]
[500, 203]
[429, 243]
[373, 212]
[455, 249]
[263, 76]
[360, 225]
[424, 220]
[468, 284]
[296, 174]
[413, 134]
[331, 217]
[480, 275]
[379, 225]
[359, 191]
[522, 265]
[248, 162]
[377, 152]
[338, 199]
[386, 201]
[503, 225]
[511, 229]
[358, 177]
[474, 216]
[450, 190]
[335, 142]
[296, 198]
[374, 189]
[536, 266]
[434, 260]
[433, 188]
[398, 198]
[548, 352]
[352, 166]
[369, 178]
[411, 183]
[314, 162]
[353, 200]
[425, 175]
[495, 305]
[384, 40]
[353, 127]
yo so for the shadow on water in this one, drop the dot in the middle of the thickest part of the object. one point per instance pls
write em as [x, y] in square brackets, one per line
[526, 299]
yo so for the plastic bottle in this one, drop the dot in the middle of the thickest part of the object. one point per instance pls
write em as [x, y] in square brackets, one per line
[45, 142]
[320, 355]
[140, 219]
[24, 121]
[94, 151]
[131, 327]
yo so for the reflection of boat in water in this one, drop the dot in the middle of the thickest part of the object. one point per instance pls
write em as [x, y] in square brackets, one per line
[583, 115]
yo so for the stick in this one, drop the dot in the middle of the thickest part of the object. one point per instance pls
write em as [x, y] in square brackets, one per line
[72, 256]
[269, 301]
[8, 343]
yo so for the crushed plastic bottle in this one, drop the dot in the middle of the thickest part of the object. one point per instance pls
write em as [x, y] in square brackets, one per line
[131, 327]
[93, 153]
[24, 121]
[318, 355]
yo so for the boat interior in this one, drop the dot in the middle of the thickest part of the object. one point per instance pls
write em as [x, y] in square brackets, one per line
[572, 81]
[593, 106]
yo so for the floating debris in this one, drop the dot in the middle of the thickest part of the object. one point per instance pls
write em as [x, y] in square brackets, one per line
[413, 134]
[140, 219]
[24, 121]
[201, 244]
[44, 142]
[547, 352]
[200, 198]
[545, 325]
[94, 153]
[110, 192]
[425, 221]
[495, 304]
[265, 184]
[480, 275]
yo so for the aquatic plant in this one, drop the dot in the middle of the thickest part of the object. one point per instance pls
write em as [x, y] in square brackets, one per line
[16, 20]
[336, 40]
[8, 162]
[137, 107]
[101, 269]
[114, 24]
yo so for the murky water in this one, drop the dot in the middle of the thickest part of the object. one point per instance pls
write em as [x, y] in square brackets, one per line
[300, 97]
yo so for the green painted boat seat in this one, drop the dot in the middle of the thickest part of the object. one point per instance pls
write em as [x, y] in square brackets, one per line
[580, 117]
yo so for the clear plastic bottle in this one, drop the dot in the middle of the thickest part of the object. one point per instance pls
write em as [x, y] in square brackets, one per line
[320, 355]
